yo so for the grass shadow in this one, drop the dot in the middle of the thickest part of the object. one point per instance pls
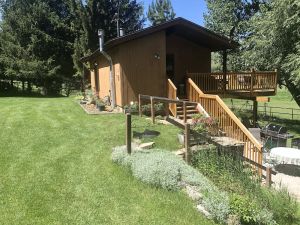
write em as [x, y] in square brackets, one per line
[27, 94]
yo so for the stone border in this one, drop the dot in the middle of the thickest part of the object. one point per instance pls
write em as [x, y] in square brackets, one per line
[97, 113]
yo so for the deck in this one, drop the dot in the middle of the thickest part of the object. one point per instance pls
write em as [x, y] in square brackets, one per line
[237, 84]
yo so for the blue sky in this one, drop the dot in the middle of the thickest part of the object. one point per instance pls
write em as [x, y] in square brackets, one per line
[189, 9]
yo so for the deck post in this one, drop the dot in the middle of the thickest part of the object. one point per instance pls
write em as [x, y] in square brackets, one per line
[152, 110]
[255, 112]
[140, 105]
[187, 143]
[128, 133]
[224, 70]
[269, 176]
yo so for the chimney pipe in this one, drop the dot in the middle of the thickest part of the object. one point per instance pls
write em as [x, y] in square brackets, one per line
[101, 39]
[111, 66]
[122, 31]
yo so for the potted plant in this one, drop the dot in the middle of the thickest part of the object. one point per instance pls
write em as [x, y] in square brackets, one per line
[205, 125]
[100, 105]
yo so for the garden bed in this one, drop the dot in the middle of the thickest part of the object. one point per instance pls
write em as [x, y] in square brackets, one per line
[91, 109]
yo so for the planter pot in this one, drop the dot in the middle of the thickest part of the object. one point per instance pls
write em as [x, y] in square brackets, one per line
[101, 107]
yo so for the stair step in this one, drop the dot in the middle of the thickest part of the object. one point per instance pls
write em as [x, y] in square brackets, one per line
[194, 111]
[188, 107]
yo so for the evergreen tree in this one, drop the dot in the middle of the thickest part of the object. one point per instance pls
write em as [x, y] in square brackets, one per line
[160, 11]
[103, 14]
[37, 41]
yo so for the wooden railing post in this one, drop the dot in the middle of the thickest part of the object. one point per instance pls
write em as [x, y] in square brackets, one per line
[152, 110]
[187, 143]
[184, 112]
[140, 105]
[269, 176]
[128, 133]
[252, 80]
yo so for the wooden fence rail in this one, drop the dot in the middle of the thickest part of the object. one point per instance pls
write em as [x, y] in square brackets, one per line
[228, 122]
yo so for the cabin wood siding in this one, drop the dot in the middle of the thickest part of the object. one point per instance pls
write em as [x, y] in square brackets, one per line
[188, 57]
[141, 72]
[103, 77]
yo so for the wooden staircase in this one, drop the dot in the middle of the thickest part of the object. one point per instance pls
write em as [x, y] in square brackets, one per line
[214, 106]
[190, 110]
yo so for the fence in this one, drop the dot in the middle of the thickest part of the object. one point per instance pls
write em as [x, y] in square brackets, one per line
[270, 111]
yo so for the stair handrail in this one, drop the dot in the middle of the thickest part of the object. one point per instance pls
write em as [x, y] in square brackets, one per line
[252, 148]
[172, 94]
[228, 111]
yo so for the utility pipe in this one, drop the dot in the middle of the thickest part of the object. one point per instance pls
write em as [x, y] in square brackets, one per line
[111, 68]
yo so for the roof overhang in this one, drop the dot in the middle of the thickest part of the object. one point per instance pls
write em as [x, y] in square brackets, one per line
[181, 27]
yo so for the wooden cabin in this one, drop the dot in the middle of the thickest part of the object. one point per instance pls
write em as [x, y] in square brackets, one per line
[152, 60]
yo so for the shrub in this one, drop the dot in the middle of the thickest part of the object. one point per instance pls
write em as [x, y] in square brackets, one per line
[282, 205]
[249, 211]
[231, 175]
[164, 169]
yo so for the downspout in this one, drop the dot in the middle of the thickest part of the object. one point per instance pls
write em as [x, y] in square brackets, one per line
[111, 68]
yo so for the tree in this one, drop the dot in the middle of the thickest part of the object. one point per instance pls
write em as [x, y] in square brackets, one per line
[103, 14]
[160, 11]
[37, 41]
[274, 42]
[231, 18]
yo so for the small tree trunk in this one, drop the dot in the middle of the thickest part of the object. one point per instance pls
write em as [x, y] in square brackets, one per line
[23, 85]
[293, 90]
[29, 88]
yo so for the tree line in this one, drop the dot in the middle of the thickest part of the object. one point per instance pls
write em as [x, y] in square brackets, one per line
[41, 42]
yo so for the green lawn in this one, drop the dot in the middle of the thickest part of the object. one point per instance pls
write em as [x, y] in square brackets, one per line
[55, 168]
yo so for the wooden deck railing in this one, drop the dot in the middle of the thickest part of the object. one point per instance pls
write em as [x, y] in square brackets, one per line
[172, 94]
[228, 122]
[247, 82]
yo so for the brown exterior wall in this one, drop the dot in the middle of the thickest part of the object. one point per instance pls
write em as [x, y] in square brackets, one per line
[188, 57]
[138, 71]
[103, 77]
[141, 72]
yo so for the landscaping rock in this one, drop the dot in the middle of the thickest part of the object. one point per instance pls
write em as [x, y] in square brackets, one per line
[193, 193]
[147, 145]
[203, 210]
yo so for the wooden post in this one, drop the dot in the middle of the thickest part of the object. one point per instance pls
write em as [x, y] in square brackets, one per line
[140, 105]
[184, 112]
[167, 110]
[292, 113]
[252, 81]
[187, 143]
[254, 112]
[128, 133]
[224, 70]
[269, 176]
[152, 110]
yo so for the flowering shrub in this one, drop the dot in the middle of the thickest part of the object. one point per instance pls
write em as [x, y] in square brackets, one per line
[201, 124]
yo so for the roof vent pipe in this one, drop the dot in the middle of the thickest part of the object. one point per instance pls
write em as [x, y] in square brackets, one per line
[101, 39]
[122, 31]
[111, 66]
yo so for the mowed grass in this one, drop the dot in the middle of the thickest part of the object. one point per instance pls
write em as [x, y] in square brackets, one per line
[55, 168]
